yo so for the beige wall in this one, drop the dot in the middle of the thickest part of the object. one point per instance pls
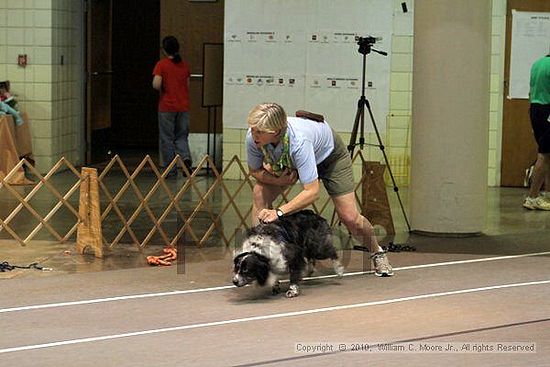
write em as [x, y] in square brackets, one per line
[49, 91]
[396, 138]
[52, 93]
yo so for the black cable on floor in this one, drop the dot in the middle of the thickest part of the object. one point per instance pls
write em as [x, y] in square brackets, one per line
[391, 247]
[394, 247]
[6, 266]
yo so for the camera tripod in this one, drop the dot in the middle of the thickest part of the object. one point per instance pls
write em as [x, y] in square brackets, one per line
[365, 47]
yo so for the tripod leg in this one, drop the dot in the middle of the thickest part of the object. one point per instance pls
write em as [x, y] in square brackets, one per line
[359, 117]
[383, 149]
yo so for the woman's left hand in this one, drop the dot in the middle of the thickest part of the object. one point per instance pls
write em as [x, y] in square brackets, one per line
[267, 215]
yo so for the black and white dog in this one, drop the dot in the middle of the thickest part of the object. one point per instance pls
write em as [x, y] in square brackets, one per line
[290, 245]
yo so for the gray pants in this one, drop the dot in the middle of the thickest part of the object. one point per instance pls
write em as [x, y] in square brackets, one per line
[173, 136]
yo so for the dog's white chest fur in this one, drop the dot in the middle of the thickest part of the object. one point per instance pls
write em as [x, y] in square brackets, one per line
[265, 246]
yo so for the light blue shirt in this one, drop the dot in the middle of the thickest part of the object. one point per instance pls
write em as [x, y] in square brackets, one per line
[7, 109]
[311, 142]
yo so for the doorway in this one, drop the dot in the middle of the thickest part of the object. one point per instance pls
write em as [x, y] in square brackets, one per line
[122, 49]
[519, 149]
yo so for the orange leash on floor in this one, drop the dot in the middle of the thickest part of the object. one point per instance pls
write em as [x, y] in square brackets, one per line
[170, 254]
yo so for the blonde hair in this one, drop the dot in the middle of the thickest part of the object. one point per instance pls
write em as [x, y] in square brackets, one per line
[268, 117]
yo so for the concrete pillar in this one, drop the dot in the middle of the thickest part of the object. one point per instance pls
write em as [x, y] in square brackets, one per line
[450, 109]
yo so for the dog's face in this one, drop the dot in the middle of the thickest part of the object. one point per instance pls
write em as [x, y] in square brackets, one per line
[249, 267]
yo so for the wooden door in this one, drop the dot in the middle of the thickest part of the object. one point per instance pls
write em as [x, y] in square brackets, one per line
[98, 70]
[122, 48]
[519, 149]
[136, 43]
[195, 23]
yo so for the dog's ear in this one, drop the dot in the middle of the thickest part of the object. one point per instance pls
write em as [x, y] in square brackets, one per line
[262, 271]
[237, 260]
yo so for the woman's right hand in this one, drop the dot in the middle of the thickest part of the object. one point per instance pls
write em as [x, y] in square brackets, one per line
[288, 177]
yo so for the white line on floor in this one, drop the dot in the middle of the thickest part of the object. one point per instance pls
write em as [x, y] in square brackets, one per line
[112, 299]
[268, 317]
[457, 262]
[213, 289]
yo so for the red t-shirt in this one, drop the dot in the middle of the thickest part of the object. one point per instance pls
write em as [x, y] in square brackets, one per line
[174, 95]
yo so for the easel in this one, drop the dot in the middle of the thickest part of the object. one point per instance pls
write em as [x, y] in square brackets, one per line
[374, 198]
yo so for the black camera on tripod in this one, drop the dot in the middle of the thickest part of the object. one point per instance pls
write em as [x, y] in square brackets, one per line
[366, 40]
[365, 43]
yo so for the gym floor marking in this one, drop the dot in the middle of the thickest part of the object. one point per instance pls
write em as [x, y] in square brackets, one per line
[214, 289]
[268, 317]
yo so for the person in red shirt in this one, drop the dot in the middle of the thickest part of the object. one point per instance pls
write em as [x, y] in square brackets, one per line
[171, 78]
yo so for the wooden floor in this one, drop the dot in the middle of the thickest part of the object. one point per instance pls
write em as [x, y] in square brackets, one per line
[463, 303]
[452, 302]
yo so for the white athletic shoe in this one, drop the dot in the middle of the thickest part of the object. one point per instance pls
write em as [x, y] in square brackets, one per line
[382, 267]
[538, 203]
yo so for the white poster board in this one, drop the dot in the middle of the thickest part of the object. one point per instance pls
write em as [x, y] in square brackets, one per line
[530, 41]
[303, 55]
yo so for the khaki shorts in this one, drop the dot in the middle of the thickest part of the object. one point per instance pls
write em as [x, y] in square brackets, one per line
[335, 171]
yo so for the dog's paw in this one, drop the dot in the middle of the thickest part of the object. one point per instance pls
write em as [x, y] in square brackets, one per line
[340, 271]
[338, 268]
[293, 291]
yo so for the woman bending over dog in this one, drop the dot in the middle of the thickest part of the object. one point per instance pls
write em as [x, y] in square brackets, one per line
[283, 149]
